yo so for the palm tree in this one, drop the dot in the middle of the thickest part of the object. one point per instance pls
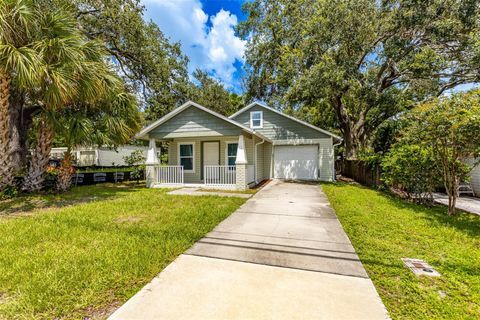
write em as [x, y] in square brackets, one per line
[34, 177]
[74, 71]
[47, 60]
[111, 122]
[19, 66]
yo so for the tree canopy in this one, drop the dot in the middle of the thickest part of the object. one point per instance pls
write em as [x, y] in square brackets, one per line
[210, 93]
[149, 62]
[367, 60]
[448, 126]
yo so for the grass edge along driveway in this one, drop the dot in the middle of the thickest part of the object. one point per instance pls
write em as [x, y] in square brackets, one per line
[86, 259]
[383, 229]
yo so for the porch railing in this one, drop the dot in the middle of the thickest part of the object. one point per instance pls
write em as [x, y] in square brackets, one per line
[220, 176]
[169, 175]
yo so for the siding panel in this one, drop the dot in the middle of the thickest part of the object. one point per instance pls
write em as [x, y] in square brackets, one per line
[260, 159]
[278, 127]
[194, 122]
[267, 160]
[326, 160]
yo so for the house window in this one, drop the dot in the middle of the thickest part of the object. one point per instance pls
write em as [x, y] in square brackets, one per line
[231, 153]
[186, 156]
[256, 119]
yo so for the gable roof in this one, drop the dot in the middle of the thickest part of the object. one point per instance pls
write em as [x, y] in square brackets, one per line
[286, 116]
[142, 134]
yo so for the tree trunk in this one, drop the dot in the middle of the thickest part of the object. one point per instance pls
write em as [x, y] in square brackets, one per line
[353, 131]
[66, 170]
[35, 176]
[452, 201]
[6, 164]
[451, 185]
[452, 198]
[354, 142]
[21, 122]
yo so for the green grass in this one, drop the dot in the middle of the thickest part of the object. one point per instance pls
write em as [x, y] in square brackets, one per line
[384, 229]
[87, 258]
[25, 204]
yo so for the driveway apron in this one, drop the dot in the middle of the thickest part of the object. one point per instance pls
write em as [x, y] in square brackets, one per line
[282, 255]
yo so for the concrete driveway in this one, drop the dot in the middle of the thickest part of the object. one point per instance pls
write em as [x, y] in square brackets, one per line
[282, 255]
[468, 204]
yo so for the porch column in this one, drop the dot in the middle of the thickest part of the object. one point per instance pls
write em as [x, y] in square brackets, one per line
[151, 162]
[241, 164]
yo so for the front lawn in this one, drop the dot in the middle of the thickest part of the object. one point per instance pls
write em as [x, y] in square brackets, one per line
[85, 253]
[384, 229]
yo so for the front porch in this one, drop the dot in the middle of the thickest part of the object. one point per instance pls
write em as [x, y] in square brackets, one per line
[207, 162]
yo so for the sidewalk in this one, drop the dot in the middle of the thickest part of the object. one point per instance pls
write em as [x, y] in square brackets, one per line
[282, 255]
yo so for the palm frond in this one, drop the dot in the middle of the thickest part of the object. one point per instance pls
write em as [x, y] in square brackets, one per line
[16, 17]
[24, 63]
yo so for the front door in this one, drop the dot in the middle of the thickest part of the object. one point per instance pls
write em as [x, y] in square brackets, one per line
[211, 153]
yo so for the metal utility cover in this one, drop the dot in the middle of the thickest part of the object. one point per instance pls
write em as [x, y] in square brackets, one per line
[420, 267]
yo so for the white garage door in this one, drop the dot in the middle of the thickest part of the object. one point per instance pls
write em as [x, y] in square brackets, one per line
[296, 162]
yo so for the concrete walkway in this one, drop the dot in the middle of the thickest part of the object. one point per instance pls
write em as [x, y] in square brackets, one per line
[282, 255]
[468, 204]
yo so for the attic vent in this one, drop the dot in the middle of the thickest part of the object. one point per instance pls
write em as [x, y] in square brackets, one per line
[420, 267]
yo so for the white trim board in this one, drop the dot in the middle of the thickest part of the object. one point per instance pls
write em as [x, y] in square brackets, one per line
[286, 116]
[295, 142]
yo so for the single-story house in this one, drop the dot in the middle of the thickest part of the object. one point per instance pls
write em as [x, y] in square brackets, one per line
[254, 144]
[98, 156]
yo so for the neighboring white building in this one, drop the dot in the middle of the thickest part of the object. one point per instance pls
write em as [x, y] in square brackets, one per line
[99, 156]
[475, 180]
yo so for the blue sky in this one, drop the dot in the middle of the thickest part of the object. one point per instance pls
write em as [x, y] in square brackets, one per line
[205, 29]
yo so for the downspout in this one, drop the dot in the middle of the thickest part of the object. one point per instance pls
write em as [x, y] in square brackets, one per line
[333, 162]
[255, 157]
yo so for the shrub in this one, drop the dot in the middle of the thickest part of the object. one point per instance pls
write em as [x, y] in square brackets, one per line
[413, 170]
[8, 192]
[136, 160]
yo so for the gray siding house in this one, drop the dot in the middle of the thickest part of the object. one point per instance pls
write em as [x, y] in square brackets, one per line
[236, 152]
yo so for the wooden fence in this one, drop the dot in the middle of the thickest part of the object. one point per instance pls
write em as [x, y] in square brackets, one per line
[360, 171]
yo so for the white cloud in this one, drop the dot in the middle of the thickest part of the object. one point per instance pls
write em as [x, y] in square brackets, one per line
[212, 47]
